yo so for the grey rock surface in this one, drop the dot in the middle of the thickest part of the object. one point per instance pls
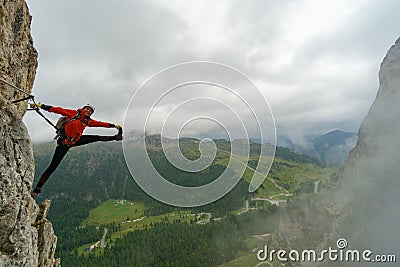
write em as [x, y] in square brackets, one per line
[360, 204]
[26, 236]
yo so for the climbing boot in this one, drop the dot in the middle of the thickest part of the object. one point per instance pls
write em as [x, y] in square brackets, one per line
[119, 135]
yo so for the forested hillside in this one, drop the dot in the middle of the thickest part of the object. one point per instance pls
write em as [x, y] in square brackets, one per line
[93, 174]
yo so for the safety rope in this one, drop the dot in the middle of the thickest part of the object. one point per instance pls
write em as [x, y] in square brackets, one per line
[16, 88]
[29, 97]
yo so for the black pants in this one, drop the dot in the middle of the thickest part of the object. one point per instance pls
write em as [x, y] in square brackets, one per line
[61, 151]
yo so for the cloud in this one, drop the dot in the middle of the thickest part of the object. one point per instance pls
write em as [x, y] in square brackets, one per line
[315, 61]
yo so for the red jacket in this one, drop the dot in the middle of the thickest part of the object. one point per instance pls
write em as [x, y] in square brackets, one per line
[74, 128]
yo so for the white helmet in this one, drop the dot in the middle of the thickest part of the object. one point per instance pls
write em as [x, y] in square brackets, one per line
[90, 106]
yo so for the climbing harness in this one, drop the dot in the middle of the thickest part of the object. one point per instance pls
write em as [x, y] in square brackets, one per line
[28, 97]
[60, 125]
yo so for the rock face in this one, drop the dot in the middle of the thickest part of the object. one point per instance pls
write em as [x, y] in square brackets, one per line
[18, 56]
[361, 204]
[371, 173]
[26, 236]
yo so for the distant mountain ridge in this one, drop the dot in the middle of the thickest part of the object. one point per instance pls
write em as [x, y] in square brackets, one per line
[334, 147]
[331, 148]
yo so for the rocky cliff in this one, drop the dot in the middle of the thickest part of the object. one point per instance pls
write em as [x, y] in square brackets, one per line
[361, 204]
[26, 236]
[371, 173]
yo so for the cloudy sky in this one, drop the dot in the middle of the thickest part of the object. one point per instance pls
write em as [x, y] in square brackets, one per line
[316, 62]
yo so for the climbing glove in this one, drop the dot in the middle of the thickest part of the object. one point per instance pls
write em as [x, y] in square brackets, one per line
[36, 105]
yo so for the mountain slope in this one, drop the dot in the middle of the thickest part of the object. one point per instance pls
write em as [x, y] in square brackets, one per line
[92, 174]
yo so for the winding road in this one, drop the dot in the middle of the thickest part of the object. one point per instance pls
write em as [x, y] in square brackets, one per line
[102, 243]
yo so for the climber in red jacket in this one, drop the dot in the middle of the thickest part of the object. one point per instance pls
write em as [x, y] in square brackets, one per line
[70, 135]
